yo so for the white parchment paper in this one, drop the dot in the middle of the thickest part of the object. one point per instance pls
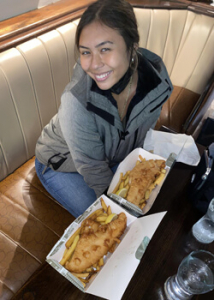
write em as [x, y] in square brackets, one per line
[164, 143]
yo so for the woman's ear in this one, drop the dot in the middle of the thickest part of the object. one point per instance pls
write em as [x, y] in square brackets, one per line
[134, 58]
[136, 46]
[133, 51]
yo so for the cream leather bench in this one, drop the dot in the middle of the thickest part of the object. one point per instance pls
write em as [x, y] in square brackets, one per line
[32, 78]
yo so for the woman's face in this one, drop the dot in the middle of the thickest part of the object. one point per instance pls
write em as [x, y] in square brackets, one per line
[103, 54]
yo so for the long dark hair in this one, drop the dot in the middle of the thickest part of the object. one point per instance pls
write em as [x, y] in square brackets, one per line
[116, 14]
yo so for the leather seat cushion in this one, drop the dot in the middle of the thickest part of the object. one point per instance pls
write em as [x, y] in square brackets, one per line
[177, 108]
[31, 222]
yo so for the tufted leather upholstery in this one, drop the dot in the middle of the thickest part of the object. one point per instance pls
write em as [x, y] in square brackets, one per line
[32, 78]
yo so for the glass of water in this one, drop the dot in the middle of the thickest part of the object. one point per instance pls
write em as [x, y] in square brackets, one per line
[195, 276]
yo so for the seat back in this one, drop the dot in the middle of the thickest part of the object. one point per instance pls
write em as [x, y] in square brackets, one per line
[32, 78]
[34, 74]
[185, 42]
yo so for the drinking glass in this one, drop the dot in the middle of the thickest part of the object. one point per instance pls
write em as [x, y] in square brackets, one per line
[195, 276]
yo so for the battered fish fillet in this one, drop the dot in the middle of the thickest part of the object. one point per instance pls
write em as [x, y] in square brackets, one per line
[94, 245]
[141, 177]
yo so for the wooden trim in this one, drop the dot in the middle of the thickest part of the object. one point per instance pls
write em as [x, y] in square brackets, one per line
[21, 28]
[18, 29]
[197, 7]
[158, 4]
[26, 34]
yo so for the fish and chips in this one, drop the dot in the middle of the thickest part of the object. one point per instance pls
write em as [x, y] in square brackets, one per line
[137, 184]
[98, 234]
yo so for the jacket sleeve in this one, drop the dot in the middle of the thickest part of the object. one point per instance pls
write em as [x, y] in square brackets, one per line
[87, 150]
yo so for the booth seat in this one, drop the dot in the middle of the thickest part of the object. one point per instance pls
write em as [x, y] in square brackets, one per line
[32, 78]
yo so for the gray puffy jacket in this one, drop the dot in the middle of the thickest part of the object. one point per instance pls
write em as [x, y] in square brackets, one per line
[87, 135]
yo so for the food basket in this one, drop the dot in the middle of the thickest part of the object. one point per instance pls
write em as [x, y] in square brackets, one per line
[128, 164]
[122, 262]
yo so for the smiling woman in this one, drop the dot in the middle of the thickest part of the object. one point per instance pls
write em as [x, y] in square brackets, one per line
[115, 96]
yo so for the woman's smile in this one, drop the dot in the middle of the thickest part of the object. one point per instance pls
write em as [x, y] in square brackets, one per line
[102, 77]
[103, 54]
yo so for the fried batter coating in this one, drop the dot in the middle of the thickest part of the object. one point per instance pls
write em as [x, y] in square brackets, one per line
[141, 177]
[89, 226]
[94, 245]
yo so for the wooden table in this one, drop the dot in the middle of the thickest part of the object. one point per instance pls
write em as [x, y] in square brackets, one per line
[171, 242]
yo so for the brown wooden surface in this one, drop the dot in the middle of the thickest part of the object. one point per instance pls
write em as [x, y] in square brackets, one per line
[171, 242]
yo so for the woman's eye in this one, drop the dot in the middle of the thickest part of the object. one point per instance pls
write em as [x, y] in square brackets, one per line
[105, 49]
[85, 53]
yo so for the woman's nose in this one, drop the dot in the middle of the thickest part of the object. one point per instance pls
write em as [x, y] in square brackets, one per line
[96, 62]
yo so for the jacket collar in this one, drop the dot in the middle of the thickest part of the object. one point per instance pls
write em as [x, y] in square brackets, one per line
[151, 82]
[148, 79]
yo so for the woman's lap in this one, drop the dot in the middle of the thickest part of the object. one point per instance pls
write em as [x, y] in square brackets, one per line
[69, 189]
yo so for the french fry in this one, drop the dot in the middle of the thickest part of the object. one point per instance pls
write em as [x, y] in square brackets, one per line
[126, 175]
[143, 205]
[100, 212]
[141, 158]
[151, 187]
[70, 250]
[89, 270]
[66, 250]
[104, 214]
[101, 218]
[126, 181]
[147, 194]
[95, 265]
[82, 281]
[109, 212]
[142, 201]
[92, 275]
[159, 179]
[118, 184]
[127, 187]
[71, 239]
[95, 214]
[121, 185]
[101, 262]
[104, 206]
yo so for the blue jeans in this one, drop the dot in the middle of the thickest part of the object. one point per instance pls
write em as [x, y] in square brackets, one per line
[69, 189]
